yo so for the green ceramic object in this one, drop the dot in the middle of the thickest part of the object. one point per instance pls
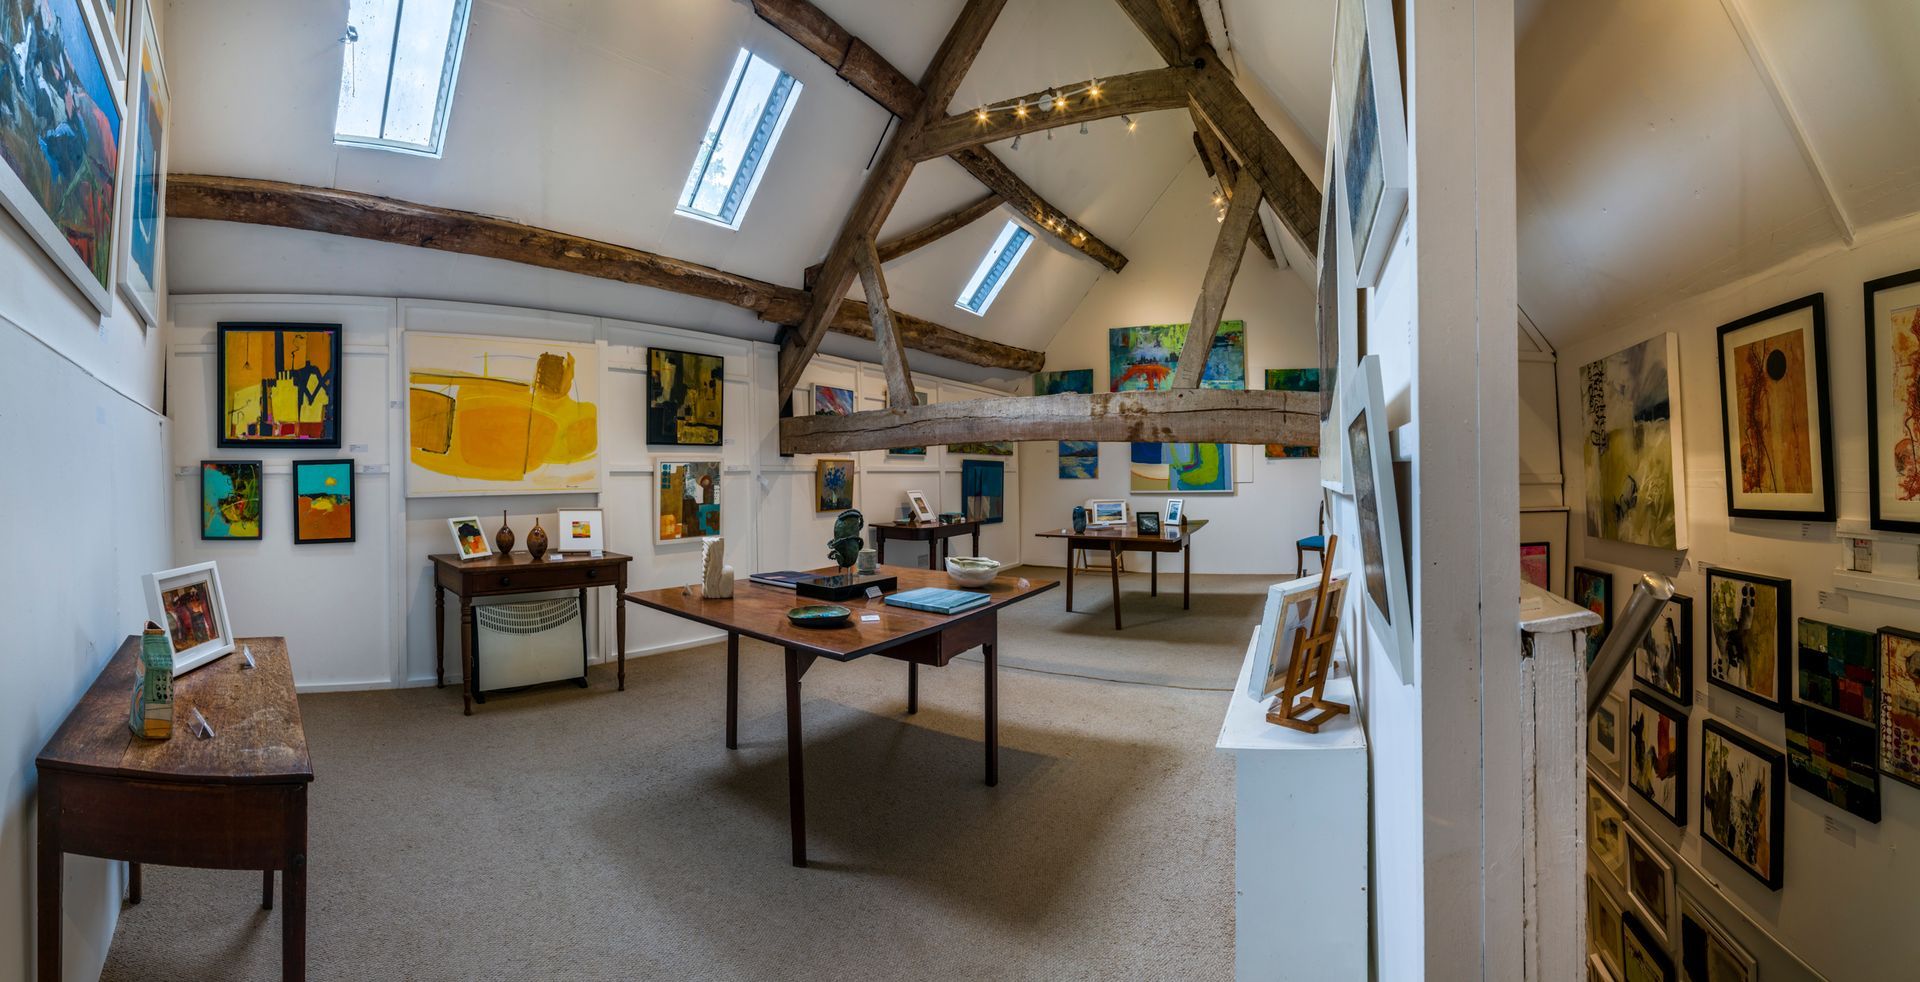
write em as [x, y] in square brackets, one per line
[846, 544]
[819, 615]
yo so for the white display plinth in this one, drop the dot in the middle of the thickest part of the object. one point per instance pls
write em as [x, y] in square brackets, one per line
[1300, 840]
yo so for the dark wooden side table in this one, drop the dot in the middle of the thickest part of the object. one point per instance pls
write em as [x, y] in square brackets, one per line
[1116, 541]
[494, 576]
[237, 800]
[939, 538]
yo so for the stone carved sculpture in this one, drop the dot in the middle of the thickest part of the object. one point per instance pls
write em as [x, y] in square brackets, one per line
[716, 579]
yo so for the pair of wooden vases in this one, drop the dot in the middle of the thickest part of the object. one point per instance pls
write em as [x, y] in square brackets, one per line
[536, 539]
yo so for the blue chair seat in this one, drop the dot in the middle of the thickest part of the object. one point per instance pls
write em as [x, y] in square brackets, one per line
[1313, 542]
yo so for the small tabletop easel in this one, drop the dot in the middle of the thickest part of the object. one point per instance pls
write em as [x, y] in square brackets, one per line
[1306, 684]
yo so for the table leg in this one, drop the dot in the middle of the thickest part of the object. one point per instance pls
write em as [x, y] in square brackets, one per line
[620, 623]
[933, 552]
[440, 636]
[733, 691]
[1069, 576]
[993, 713]
[913, 687]
[49, 875]
[796, 789]
[266, 890]
[1113, 563]
[976, 541]
[1186, 577]
[133, 884]
[1153, 574]
[293, 892]
[880, 543]
[466, 653]
[583, 638]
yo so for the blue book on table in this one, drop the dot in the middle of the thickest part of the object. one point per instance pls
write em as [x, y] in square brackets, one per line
[936, 600]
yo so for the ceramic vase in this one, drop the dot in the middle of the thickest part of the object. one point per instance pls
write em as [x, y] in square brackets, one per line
[537, 541]
[1079, 518]
[503, 539]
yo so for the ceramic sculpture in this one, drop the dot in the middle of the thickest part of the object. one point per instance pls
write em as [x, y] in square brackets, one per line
[537, 541]
[503, 539]
[844, 550]
[716, 579]
[152, 714]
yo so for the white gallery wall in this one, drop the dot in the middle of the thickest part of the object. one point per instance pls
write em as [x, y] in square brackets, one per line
[1846, 904]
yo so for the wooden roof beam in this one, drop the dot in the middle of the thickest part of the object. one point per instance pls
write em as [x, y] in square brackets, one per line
[927, 234]
[1135, 92]
[1283, 184]
[893, 356]
[1228, 249]
[1225, 171]
[999, 178]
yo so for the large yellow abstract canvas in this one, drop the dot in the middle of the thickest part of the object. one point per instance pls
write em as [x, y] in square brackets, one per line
[492, 415]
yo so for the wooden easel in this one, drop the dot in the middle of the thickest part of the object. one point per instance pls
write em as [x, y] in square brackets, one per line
[1306, 684]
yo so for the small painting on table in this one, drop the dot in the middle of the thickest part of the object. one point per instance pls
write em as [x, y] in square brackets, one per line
[1747, 635]
[1838, 669]
[1707, 952]
[1294, 380]
[1603, 924]
[1773, 413]
[1893, 401]
[1657, 756]
[1900, 705]
[1593, 589]
[686, 395]
[983, 491]
[193, 607]
[688, 506]
[1106, 512]
[1536, 563]
[1642, 959]
[1649, 882]
[833, 484]
[1742, 805]
[1147, 522]
[1287, 618]
[1834, 758]
[1607, 831]
[278, 385]
[1664, 660]
[468, 540]
[1606, 731]
[832, 401]
[1631, 447]
[230, 499]
[322, 501]
[580, 530]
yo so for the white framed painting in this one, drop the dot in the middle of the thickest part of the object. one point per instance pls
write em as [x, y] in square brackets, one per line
[1606, 729]
[580, 530]
[686, 500]
[1176, 511]
[922, 511]
[499, 415]
[190, 605]
[1106, 511]
[1376, 505]
[469, 540]
[115, 18]
[1371, 131]
[1630, 451]
[143, 180]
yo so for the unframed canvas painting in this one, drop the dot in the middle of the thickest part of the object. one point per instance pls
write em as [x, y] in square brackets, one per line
[1838, 669]
[1631, 447]
[1294, 380]
[1835, 759]
[1144, 359]
[686, 392]
[688, 505]
[279, 385]
[491, 415]
[1536, 563]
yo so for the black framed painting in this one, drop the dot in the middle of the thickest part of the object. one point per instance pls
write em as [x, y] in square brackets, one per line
[277, 385]
[322, 501]
[1837, 668]
[1893, 400]
[1836, 759]
[1593, 589]
[1773, 413]
[1742, 804]
[1900, 705]
[686, 396]
[1657, 755]
[1749, 635]
[1664, 660]
[1641, 955]
[231, 499]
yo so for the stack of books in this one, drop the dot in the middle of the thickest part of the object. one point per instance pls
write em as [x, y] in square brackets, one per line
[937, 601]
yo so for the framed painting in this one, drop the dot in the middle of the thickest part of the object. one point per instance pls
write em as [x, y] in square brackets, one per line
[833, 484]
[1773, 413]
[1147, 522]
[992, 448]
[1607, 831]
[919, 399]
[189, 603]
[1287, 618]
[1664, 660]
[1742, 803]
[1376, 502]
[1176, 511]
[1593, 589]
[1747, 634]
[1837, 669]
[1893, 401]
[1900, 705]
[144, 181]
[1371, 130]
[1144, 359]
[1707, 952]
[1631, 447]
[580, 530]
[231, 493]
[1836, 759]
[1293, 380]
[494, 415]
[278, 385]
[115, 18]
[1657, 756]
[831, 400]
[1606, 731]
[322, 501]
[1603, 926]
[1641, 957]
[1549, 525]
[1649, 883]
[688, 505]
[922, 511]
[686, 394]
[983, 491]
[1536, 563]
[60, 136]
[1079, 459]
[469, 540]
[1328, 312]
[1106, 512]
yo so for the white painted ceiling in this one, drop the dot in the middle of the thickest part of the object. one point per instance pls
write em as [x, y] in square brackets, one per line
[1663, 154]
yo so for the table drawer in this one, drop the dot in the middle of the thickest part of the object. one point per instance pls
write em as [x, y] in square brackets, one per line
[206, 826]
[526, 580]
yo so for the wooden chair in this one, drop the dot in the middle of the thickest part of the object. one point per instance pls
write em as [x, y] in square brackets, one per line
[1315, 543]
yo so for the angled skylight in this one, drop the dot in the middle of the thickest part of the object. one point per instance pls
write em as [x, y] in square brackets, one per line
[994, 269]
[396, 78]
[746, 124]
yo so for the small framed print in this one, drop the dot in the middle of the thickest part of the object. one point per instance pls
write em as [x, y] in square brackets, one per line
[1773, 413]
[1707, 952]
[1605, 733]
[468, 540]
[1749, 620]
[322, 501]
[1107, 511]
[581, 530]
[922, 511]
[1288, 617]
[1147, 522]
[1607, 831]
[1603, 927]
[189, 603]
[1664, 660]
[1176, 511]
[1593, 589]
[232, 499]
[1657, 755]
[1836, 669]
[1641, 958]
[1649, 883]
[1742, 803]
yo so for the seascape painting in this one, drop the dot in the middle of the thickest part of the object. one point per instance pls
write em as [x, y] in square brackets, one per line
[322, 501]
[1293, 380]
[833, 484]
[1900, 705]
[1079, 459]
[278, 385]
[230, 499]
[1145, 359]
[491, 415]
[1664, 660]
[1747, 634]
[1741, 801]
[1835, 759]
[1773, 390]
[1837, 669]
[1893, 401]
[983, 491]
[1631, 446]
[1657, 756]
[686, 393]
[688, 505]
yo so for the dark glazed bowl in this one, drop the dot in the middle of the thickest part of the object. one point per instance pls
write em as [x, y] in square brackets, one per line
[819, 615]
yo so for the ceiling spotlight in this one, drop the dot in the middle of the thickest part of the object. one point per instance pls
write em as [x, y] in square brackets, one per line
[1093, 91]
[1129, 121]
[1020, 110]
[980, 115]
[1083, 127]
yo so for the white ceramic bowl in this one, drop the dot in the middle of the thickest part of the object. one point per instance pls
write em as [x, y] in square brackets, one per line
[972, 570]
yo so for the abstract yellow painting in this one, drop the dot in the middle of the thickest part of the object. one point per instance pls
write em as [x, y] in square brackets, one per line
[279, 385]
[492, 415]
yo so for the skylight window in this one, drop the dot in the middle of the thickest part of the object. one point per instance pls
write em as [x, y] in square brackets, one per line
[746, 124]
[396, 80]
[994, 268]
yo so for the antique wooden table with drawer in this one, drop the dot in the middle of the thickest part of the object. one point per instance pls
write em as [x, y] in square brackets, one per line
[493, 576]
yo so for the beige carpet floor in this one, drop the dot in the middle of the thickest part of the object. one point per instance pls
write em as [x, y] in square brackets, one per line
[593, 834]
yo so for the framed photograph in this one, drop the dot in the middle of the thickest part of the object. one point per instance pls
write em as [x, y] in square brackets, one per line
[1606, 730]
[1742, 803]
[1147, 522]
[1707, 952]
[1176, 511]
[1900, 705]
[1593, 589]
[922, 511]
[143, 181]
[1747, 634]
[1657, 756]
[1631, 455]
[1607, 831]
[1371, 130]
[1893, 372]
[189, 603]
[1603, 927]
[1835, 758]
[1649, 883]
[278, 385]
[1838, 669]
[231, 499]
[1773, 413]
[1641, 956]
[831, 400]
[1287, 618]
[468, 540]
[1377, 512]
[1549, 525]
[687, 506]
[322, 501]
[833, 484]
[686, 393]
[580, 530]
[1106, 511]
[1536, 564]
[1664, 660]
